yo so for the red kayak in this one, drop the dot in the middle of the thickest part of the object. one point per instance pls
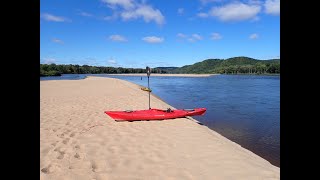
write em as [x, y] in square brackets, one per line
[154, 114]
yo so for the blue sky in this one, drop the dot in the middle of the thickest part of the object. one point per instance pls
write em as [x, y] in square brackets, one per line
[139, 33]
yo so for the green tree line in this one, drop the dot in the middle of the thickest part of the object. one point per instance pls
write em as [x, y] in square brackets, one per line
[235, 65]
[57, 70]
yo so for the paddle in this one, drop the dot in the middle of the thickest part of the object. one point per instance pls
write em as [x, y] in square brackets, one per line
[148, 73]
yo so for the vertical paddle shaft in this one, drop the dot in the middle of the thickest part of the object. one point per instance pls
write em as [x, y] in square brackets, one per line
[148, 73]
[149, 93]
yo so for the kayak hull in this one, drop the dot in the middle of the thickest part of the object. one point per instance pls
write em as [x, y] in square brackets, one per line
[154, 114]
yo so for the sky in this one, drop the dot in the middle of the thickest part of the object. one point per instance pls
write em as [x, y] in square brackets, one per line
[157, 33]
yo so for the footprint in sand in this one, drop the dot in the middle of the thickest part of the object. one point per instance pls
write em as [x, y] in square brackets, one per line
[60, 149]
[50, 169]
[61, 135]
[61, 155]
[72, 134]
[77, 156]
[94, 168]
[66, 141]
[45, 170]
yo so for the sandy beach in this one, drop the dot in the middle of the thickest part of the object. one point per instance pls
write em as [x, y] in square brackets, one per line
[171, 75]
[79, 141]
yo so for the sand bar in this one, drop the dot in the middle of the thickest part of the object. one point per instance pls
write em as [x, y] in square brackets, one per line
[169, 75]
[79, 141]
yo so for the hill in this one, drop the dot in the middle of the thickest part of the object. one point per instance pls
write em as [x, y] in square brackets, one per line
[235, 65]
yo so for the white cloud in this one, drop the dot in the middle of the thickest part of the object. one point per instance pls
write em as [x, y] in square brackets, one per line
[118, 38]
[153, 39]
[191, 38]
[272, 7]
[255, 19]
[196, 37]
[146, 12]
[181, 35]
[130, 9]
[203, 15]
[255, 2]
[126, 4]
[235, 11]
[216, 36]
[112, 61]
[48, 61]
[85, 14]
[57, 40]
[254, 36]
[180, 11]
[50, 17]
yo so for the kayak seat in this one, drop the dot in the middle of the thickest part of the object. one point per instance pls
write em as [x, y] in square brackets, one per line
[169, 110]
